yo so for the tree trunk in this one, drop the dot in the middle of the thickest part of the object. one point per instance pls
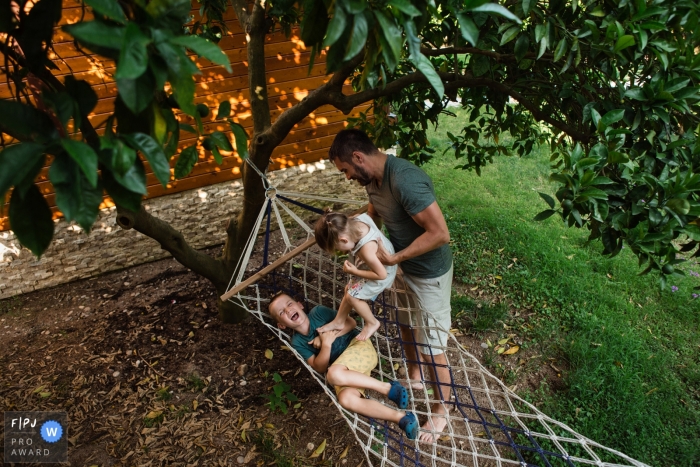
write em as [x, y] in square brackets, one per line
[260, 151]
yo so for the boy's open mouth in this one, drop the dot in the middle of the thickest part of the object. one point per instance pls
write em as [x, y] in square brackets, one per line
[295, 316]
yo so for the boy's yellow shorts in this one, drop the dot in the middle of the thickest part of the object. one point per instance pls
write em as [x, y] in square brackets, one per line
[359, 356]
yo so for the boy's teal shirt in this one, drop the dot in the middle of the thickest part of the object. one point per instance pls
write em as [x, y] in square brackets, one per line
[319, 316]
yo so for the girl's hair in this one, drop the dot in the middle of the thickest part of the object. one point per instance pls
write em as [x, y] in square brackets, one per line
[330, 226]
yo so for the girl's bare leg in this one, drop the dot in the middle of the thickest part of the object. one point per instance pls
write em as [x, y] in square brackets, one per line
[339, 321]
[363, 309]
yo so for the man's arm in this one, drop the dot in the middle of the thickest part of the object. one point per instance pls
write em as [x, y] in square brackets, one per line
[374, 215]
[436, 234]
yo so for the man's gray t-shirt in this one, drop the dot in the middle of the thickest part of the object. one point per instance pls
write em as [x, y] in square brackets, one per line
[406, 191]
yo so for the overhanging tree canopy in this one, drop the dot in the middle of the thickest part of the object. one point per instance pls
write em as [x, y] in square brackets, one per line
[610, 86]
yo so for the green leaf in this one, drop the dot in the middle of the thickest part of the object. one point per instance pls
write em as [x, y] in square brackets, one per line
[108, 8]
[545, 215]
[217, 155]
[241, 138]
[84, 96]
[679, 206]
[172, 8]
[624, 42]
[526, 8]
[636, 94]
[26, 122]
[204, 48]
[133, 181]
[549, 200]
[510, 34]
[221, 141]
[123, 158]
[76, 199]
[154, 154]
[358, 38]
[521, 46]
[560, 50]
[424, 65]
[543, 48]
[498, 10]
[137, 93]
[405, 7]
[16, 162]
[469, 30]
[336, 27]
[185, 161]
[539, 32]
[189, 128]
[97, 33]
[85, 156]
[391, 33]
[595, 117]
[31, 220]
[224, 110]
[121, 195]
[613, 116]
[133, 59]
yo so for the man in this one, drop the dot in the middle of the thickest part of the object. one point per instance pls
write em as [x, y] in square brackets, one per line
[402, 196]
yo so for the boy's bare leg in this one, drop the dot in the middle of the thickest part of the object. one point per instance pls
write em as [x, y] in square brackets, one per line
[363, 309]
[339, 321]
[351, 398]
[440, 373]
[413, 357]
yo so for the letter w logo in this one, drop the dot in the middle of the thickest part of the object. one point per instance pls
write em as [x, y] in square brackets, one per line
[52, 431]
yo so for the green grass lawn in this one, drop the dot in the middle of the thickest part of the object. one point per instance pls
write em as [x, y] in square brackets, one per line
[631, 349]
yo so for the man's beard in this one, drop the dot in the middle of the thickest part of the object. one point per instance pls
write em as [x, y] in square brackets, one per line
[361, 175]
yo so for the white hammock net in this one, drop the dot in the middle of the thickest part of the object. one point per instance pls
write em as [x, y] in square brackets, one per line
[487, 425]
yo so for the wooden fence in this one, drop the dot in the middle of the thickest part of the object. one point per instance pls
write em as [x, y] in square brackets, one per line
[289, 81]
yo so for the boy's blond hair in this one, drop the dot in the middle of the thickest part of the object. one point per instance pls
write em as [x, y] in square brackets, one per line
[277, 295]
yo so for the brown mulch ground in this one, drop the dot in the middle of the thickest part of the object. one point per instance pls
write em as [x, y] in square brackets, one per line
[149, 375]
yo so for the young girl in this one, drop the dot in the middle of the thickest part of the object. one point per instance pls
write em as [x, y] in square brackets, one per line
[358, 236]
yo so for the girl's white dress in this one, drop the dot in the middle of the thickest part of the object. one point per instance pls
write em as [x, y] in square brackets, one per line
[366, 289]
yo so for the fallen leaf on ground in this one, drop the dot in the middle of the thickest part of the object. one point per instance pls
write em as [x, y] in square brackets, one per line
[319, 450]
[268, 354]
[512, 350]
[344, 453]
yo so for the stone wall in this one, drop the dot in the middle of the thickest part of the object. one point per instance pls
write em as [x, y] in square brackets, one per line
[200, 214]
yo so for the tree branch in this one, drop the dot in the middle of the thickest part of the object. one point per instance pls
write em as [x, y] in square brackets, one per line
[316, 98]
[429, 52]
[240, 7]
[172, 241]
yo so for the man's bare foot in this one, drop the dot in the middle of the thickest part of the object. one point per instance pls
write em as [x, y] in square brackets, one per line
[332, 326]
[414, 377]
[368, 330]
[433, 428]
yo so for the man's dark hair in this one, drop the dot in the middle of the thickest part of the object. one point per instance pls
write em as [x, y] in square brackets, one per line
[348, 141]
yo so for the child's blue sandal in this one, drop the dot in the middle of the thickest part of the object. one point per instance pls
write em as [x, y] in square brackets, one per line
[398, 395]
[409, 424]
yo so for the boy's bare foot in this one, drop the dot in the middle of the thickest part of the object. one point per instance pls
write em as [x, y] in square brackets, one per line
[368, 330]
[332, 326]
[433, 428]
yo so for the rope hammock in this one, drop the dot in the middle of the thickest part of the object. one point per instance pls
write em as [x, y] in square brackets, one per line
[487, 423]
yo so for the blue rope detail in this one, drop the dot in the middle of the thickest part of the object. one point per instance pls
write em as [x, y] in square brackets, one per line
[301, 205]
[267, 234]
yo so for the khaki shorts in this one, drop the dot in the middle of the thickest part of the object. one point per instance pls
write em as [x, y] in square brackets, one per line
[359, 356]
[415, 296]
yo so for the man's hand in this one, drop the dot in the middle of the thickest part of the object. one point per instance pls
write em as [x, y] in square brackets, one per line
[384, 256]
